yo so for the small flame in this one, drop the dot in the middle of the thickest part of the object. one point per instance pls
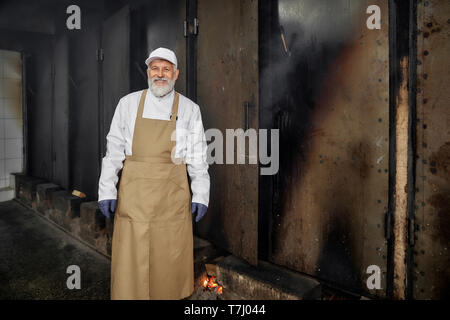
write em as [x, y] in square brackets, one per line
[210, 283]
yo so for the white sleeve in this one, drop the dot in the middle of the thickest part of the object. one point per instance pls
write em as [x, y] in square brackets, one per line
[196, 163]
[115, 154]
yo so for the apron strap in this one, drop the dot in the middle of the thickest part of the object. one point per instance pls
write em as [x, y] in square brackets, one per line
[175, 108]
[141, 104]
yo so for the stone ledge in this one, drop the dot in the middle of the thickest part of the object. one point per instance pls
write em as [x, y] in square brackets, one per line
[82, 219]
[265, 282]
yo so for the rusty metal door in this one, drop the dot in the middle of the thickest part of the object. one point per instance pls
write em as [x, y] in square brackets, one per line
[325, 85]
[431, 273]
[227, 90]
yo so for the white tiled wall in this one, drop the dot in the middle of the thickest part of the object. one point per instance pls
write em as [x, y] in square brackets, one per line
[11, 136]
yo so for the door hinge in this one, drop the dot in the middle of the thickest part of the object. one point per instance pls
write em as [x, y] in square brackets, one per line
[195, 26]
[192, 30]
[100, 54]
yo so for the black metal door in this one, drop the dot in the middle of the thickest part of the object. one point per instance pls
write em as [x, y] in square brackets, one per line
[115, 57]
[84, 105]
[324, 81]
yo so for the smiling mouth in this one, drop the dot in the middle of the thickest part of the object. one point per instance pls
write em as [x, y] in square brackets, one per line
[160, 82]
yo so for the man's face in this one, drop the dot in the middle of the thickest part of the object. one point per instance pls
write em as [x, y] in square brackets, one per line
[162, 76]
[162, 69]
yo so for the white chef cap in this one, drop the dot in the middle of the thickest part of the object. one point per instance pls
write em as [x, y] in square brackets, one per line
[162, 53]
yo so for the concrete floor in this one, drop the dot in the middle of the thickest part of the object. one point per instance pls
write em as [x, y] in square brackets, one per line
[35, 255]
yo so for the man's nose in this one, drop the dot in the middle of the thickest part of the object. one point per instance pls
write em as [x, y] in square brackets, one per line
[160, 73]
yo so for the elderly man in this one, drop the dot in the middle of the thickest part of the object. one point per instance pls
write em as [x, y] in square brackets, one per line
[159, 133]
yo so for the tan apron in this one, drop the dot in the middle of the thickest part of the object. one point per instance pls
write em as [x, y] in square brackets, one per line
[152, 245]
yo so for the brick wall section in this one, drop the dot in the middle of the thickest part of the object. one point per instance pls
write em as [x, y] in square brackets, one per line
[77, 216]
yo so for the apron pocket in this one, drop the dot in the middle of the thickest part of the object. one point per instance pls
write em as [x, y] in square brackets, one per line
[153, 200]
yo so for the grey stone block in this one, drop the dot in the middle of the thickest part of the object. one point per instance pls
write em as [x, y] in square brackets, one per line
[26, 189]
[18, 177]
[65, 208]
[43, 197]
[93, 226]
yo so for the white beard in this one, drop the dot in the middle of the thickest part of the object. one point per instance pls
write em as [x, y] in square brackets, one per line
[160, 91]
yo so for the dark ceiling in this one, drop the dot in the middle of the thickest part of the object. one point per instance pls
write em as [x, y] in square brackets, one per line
[39, 16]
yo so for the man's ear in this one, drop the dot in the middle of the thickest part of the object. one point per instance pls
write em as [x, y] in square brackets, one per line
[177, 72]
[148, 72]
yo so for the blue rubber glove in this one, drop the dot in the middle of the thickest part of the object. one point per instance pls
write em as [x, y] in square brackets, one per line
[200, 209]
[107, 207]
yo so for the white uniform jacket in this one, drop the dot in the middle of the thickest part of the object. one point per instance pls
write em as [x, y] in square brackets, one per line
[190, 141]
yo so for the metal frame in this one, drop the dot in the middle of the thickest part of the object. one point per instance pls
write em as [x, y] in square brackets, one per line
[402, 44]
